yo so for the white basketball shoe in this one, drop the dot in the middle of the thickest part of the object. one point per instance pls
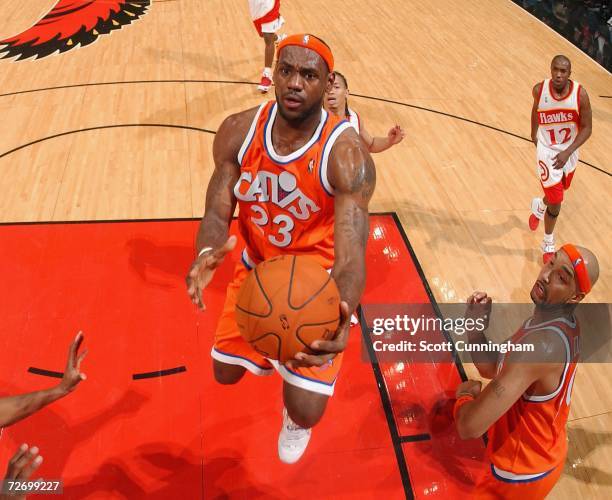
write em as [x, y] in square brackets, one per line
[292, 440]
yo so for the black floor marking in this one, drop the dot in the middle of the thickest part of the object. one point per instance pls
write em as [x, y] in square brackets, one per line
[45, 373]
[415, 438]
[606, 96]
[386, 404]
[432, 299]
[159, 373]
[166, 125]
[237, 82]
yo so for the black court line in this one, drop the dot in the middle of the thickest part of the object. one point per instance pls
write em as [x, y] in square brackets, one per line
[415, 438]
[159, 373]
[45, 373]
[432, 299]
[99, 221]
[386, 404]
[237, 82]
[100, 127]
[606, 96]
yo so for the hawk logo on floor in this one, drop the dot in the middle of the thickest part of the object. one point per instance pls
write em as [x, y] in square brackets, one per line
[72, 23]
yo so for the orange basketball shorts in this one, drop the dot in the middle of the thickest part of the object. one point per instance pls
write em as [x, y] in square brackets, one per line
[498, 485]
[232, 349]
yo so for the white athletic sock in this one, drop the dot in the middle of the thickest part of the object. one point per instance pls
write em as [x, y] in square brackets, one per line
[267, 72]
[549, 238]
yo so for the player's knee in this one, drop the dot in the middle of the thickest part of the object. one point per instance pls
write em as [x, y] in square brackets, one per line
[553, 210]
[304, 407]
[227, 374]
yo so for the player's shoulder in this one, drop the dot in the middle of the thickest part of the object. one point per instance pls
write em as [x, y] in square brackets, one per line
[541, 345]
[537, 88]
[350, 162]
[234, 128]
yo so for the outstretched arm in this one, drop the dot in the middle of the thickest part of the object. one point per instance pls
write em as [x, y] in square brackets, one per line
[212, 242]
[379, 144]
[15, 408]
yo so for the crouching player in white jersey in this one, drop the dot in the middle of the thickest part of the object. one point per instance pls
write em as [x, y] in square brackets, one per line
[561, 122]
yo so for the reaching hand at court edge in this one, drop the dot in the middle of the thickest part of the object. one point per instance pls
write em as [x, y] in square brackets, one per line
[72, 373]
[326, 349]
[203, 269]
[20, 467]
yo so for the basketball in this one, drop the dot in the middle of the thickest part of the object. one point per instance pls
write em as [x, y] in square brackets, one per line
[285, 304]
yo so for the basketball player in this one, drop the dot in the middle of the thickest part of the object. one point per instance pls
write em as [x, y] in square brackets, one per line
[15, 408]
[302, 179]
[525, 406]
[267, 20]
[336, 102]
[561, 122]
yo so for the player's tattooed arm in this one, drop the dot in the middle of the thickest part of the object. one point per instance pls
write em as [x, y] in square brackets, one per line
[520, 371]
[534, 112]
[220, 199]
[220, 205]
[353, 176]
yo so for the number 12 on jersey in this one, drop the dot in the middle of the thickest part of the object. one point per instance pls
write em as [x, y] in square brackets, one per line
[566, 132]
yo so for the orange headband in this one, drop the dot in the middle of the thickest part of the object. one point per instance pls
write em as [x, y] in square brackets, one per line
[582, 276]
[310, 42]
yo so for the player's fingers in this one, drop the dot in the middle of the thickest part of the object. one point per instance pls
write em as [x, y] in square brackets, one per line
[81, 358]
[330, 346]
[26, 472]
[303, 359]
[23, 460]
[14, 459]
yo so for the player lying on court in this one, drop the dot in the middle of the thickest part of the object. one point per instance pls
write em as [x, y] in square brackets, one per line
[302, 179]
[336, 102]
[561, 122]
[524, 408]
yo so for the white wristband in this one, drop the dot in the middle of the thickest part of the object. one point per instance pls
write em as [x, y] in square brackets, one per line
[203, 251]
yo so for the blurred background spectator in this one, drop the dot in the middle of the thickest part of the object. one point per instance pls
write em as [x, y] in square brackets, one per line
[586, 23]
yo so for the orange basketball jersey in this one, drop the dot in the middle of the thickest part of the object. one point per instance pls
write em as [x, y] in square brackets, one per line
[286, 203]
[529, 440]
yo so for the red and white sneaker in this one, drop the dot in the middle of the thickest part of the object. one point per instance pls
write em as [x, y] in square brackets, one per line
[537, 213]
[264, 84]
[548, 250]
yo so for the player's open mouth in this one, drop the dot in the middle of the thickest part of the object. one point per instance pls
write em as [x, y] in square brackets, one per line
[539, 290]
[292, 102]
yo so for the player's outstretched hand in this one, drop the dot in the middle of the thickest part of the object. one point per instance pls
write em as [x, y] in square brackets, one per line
[479, 306]
[469, 387]
[396, 135]
[20, 468]
[326, 349]
[203, 269]
[561, 159]
[72, 373]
